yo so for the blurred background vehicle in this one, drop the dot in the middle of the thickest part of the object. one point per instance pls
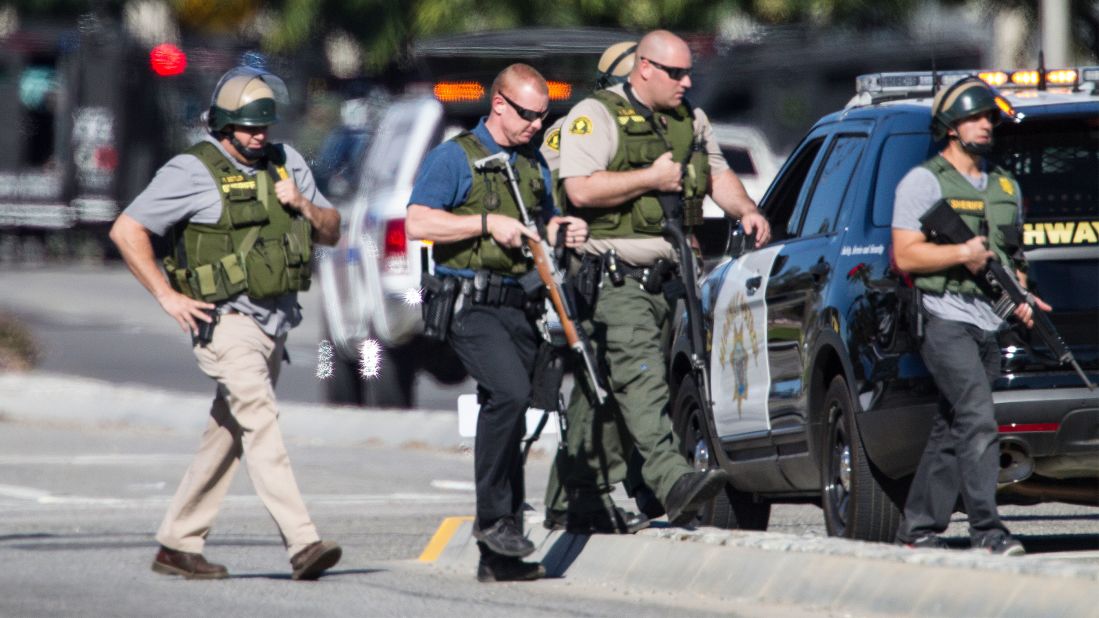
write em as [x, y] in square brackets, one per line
[371, 280]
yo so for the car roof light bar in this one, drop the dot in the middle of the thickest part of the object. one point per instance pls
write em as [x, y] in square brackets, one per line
[916, 83]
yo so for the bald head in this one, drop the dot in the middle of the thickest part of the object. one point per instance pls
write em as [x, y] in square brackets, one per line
[665, 48]
[661, 74]
[519, 76]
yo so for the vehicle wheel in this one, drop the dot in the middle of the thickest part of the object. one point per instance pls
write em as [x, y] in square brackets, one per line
[731, 508]
[441, 362]
[345, 385]
[392, 387]
[855, 496]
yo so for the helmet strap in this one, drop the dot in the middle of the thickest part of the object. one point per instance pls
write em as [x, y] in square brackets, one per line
[973, 148]
[252, 154]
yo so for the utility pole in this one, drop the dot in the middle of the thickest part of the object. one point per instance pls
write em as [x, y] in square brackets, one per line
[1053, 16]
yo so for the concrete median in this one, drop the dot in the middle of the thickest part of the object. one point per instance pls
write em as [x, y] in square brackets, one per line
[808, 571]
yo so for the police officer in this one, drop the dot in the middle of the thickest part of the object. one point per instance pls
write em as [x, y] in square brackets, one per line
[619, 149]
[473, 218]
[960, 345]
[614, 66]
[242, 214]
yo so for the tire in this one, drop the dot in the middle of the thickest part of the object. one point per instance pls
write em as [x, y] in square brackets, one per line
[731, 508]
[392, 387]
[344, 386]
[859, 502]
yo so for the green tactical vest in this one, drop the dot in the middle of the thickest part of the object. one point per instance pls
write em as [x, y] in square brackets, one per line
[490, 193]
[257, 246]
[997, 205]
[638, 146]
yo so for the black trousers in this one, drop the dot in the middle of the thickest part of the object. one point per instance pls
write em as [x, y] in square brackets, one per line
[497, 346]
[963, 452]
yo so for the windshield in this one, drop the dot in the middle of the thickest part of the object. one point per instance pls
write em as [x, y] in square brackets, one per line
[1056, 162]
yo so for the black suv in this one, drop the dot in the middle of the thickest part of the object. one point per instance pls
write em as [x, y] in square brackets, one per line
[817, 391]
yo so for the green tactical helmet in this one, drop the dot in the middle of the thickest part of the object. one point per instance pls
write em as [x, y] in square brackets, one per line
[965, 98]
[246, 96]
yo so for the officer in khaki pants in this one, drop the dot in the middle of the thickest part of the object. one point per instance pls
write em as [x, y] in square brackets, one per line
[242, 215]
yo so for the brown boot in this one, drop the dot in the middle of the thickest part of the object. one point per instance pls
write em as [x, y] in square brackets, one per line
[189, 566]
[315, 559]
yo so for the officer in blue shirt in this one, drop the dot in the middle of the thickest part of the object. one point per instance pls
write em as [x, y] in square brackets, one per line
[473, 218]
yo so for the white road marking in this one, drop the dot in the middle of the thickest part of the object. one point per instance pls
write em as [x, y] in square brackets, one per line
[18, 496]
[454, 485]
[93, 460]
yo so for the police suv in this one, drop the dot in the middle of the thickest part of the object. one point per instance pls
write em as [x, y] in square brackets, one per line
[817, 391]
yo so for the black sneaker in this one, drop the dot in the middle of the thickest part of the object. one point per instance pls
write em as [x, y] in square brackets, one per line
[999, 543]
[690, 492]
[504, 538]
[927, 541]
[506, 569]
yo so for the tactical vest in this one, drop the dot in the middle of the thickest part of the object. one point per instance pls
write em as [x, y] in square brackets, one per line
[638, 146]
[257, 246]
[490, 193]
[997, 205]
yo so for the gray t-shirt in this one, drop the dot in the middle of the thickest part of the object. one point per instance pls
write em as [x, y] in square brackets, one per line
[184, 190]
[917, 192]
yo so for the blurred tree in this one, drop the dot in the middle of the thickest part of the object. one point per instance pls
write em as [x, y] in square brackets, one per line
[387, 27]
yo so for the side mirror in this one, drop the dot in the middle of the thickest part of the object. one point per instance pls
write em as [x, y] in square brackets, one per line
[739, 242]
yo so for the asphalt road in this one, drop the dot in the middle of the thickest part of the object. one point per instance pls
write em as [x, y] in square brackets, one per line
[79, 507]
[79, 503]
[98, 322]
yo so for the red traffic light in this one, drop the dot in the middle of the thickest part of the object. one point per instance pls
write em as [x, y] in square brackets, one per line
[167, 60]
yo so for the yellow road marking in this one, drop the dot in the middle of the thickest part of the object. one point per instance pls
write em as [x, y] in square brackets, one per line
[442, 536]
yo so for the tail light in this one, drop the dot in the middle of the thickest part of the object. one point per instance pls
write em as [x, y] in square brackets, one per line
[395, 252]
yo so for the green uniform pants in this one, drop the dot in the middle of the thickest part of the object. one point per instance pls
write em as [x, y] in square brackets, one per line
[629, 330]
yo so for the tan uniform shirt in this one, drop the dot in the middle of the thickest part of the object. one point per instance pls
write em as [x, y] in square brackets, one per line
[588, 143]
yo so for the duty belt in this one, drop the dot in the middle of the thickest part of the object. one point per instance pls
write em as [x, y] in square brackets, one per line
[488, 288]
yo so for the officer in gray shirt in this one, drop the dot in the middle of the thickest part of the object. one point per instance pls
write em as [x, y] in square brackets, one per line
[917, 192]
[242, 215]
[960, 344]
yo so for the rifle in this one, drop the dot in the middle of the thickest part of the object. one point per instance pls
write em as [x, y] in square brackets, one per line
[945, 226]
[672, 205]
[550, 274]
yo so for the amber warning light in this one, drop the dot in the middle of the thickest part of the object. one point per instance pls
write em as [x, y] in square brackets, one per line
[458, 92]
[167, 60]
[559, 91]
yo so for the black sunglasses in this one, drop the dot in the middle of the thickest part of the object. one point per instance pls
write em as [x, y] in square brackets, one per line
[676, 73]
[526, 114]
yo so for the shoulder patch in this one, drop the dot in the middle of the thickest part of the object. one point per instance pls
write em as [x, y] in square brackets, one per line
[1007, 186]
[553, 139]
[581, 126]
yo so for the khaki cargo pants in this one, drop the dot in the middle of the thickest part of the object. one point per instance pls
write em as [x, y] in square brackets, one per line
[244, 361]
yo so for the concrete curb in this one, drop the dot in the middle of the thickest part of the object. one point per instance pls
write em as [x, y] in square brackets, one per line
[809, 571]
[40, 396]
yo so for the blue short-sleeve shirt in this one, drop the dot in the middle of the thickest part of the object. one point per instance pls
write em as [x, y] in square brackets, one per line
[445, 179]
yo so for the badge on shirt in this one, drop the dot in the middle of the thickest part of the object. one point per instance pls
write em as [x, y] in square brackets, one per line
[581, 126]
[553, 139]
[1007, 186]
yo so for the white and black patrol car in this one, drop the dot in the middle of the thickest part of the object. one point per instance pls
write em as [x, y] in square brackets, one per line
[818, 393]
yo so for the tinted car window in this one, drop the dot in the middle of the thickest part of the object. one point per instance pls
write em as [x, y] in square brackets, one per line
[832, 181]
[1056, 163]
[901, 153]
[337, 165]
[781, 200]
